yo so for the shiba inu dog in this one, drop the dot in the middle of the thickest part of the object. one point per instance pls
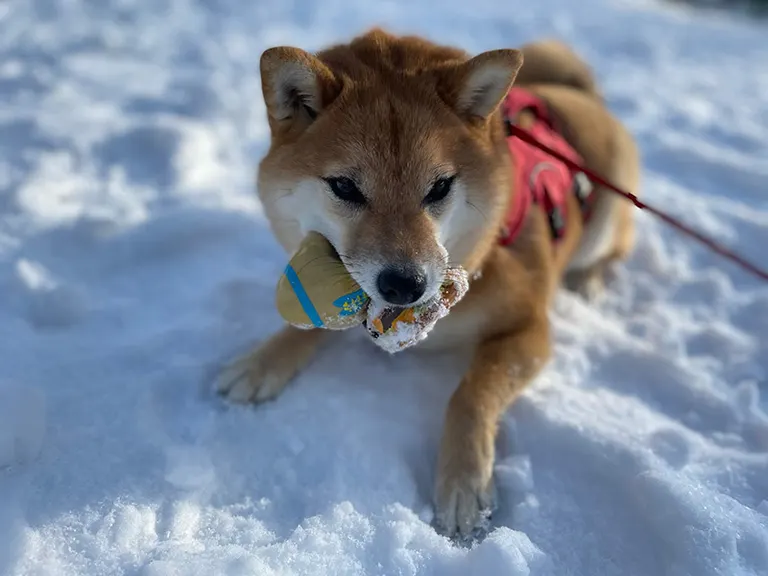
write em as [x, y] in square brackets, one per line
[395, 149]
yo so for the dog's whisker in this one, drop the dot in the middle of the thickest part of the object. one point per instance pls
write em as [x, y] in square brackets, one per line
[483, 214]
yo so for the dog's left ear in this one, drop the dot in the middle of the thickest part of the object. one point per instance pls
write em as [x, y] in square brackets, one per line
[476, 88]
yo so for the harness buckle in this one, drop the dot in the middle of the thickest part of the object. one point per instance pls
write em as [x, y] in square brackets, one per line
[556, 222]
[582, 188]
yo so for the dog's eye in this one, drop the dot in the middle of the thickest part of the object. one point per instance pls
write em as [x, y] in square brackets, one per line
[345, 189]
[439, 190]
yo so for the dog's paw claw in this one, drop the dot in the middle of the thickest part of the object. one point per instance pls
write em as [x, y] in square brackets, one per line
[246, 380]
[241, 391]
[464, 512]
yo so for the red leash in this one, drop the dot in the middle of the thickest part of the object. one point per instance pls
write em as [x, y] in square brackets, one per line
[754, 269]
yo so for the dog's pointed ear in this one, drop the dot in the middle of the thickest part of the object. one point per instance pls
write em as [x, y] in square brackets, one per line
[295, 84]
[476, 88]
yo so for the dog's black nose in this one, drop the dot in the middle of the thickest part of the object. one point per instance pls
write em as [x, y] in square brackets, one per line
[402, 285]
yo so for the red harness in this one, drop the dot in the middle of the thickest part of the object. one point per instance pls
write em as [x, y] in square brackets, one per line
[540, 178]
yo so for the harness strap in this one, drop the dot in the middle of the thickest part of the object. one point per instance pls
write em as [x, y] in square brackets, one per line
[539, 178]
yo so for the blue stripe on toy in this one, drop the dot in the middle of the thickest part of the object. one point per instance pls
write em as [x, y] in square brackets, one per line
[301, 294]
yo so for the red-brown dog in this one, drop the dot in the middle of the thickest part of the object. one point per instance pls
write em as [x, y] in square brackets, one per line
[395, 149]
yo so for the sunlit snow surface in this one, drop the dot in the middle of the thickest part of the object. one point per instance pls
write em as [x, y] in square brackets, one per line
[134, 259]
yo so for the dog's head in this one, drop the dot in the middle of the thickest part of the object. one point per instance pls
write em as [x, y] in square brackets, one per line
[392, 148]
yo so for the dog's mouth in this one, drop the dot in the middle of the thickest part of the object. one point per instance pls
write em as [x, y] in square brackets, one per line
[336, 252]
[368, 277]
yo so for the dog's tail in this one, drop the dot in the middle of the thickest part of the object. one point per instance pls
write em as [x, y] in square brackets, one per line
[552, 62]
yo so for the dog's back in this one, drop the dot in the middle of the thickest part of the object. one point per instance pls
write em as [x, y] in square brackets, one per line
[552, 62]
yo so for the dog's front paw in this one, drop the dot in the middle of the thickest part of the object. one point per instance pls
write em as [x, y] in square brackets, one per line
[253, 377]
[465, 499]
[263, 373]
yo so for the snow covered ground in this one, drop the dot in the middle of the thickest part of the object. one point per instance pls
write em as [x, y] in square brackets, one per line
[134, 259]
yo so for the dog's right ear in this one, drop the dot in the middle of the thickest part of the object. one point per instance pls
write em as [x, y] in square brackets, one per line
[295, 84]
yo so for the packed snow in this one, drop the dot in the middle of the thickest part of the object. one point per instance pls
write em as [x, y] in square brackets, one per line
[134, 260]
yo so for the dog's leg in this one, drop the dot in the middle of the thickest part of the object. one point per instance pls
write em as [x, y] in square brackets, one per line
[589, 282]
[610, 234]
[263, 373]
[501, 368]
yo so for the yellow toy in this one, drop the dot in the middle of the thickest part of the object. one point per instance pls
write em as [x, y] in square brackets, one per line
[317, 291]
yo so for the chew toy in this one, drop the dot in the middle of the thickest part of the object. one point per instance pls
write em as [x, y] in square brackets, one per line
[316, 290]
[395, 329]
